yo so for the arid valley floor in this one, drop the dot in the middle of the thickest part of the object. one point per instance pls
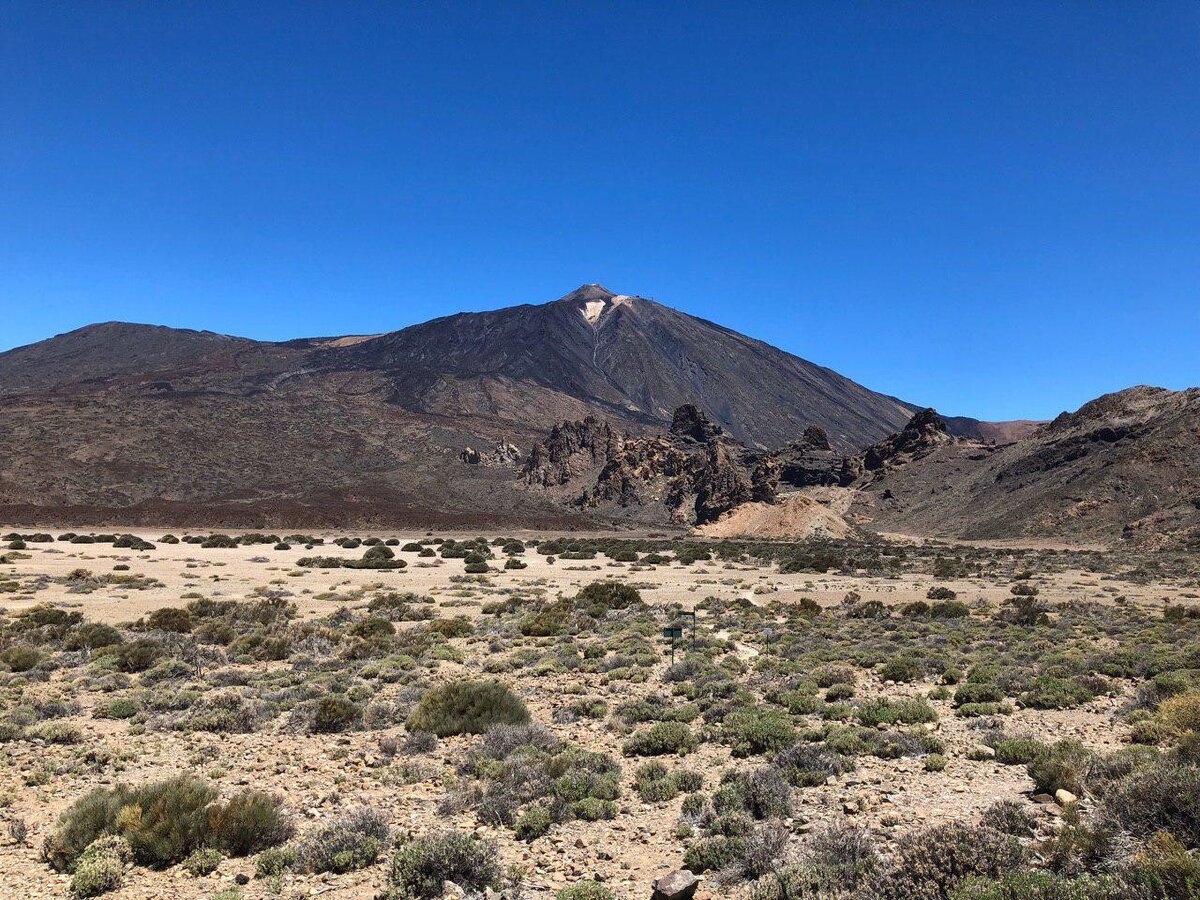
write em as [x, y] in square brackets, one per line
[828, 704]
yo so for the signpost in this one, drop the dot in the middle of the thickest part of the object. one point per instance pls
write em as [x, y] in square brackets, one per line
[673, 633]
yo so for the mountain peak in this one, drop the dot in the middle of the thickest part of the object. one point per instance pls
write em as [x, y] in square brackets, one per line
[588, 292]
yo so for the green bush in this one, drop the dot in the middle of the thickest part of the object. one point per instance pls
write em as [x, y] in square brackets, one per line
[467, 707]
[248, 822]
[532, 824]
[422, 865]
[1041, 886]
[713, 853]
[164, 822]
[887, 711]
[101, 866]
[202, 862]
[929, 864]
[660, 739]
[758, 729]
[21, 658]
[585, 890]
[599, 597]
[1056, 693]
[335, 712]
[1160, 797]
[1062, 765]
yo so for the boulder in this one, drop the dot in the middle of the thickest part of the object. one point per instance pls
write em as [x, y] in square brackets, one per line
[678, 885]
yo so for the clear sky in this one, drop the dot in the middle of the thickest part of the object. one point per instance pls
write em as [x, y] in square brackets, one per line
[990, 207]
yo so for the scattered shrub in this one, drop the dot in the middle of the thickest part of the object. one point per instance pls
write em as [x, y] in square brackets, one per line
[467, 707]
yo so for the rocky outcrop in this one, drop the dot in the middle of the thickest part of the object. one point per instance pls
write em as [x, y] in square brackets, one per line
[812, 462]
[924, 432]
[571, 450]
[690, 422]
[695, 473]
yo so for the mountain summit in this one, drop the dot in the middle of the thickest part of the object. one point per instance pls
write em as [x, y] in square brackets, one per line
[627, 357]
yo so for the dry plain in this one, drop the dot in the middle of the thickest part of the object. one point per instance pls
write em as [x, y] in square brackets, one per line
[830, 690]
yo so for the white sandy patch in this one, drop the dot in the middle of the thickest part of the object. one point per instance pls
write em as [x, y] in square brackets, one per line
[592, 310]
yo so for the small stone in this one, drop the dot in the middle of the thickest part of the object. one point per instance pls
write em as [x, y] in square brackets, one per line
[1064, 797]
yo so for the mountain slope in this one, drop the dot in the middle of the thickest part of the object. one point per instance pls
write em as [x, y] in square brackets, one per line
[1124, 466]
[628, 357]
[131, 423]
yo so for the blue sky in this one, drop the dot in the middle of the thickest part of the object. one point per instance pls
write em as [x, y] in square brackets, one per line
[993, 208]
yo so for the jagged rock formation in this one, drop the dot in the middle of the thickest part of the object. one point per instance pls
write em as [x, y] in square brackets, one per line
[924, 432]
[691, 475]
[812, 462]
[1123, 467]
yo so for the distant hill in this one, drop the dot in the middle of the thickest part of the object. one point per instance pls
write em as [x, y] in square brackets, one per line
[1125, 466]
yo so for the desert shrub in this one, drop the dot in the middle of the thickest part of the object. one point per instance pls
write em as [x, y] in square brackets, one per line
[827, 676]
[467, 707]
[1180, 713]
[977, 692]
[202, 862]
[868, 609]
[333, 713]
[1062, 765]
[758, 729]
[532, 824]
[1025, 611]
[274, 861]
[418, 742]
[935, 762]
[1008, 817]
[599, 597]
[660, 739]
[352, 841]
[1164, 868]
[902, 668]
[1041, 886]
[21, 658]
[929, 864]
[809, 765]
[1048, 692]
[246, 823]
[119, 708]
[1160, 797]
[170, 618]
[164, 822]
[764, 793]
[585, 890]
[887, 711]
[101, 866]
[949, 609]
[138, 656]
[1017, 751]
[422, 865]
[939, 592]
[91, 635]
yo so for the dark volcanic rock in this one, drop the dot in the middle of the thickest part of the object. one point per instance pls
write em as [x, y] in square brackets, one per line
[571, 450]
[690, 422]
[924, 431]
